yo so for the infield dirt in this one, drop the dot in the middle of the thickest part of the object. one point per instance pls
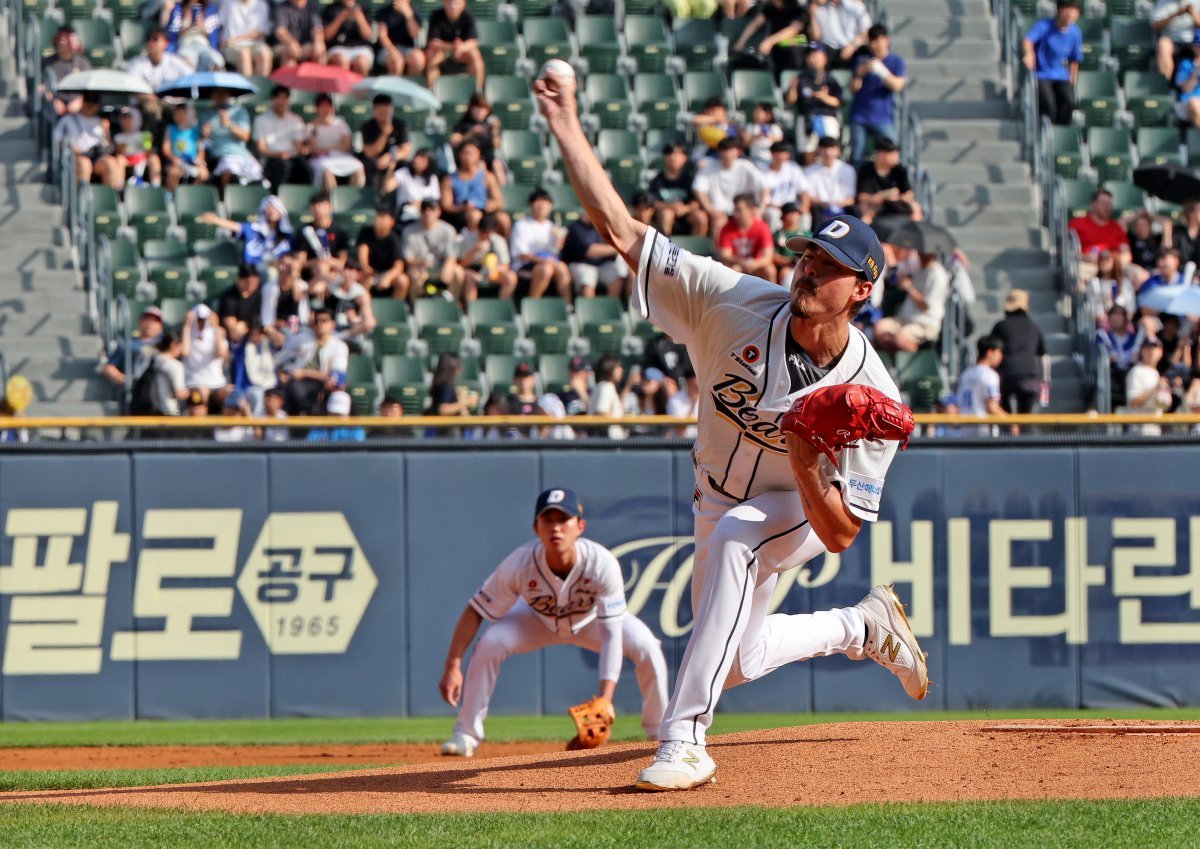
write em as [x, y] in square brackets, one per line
[831, 764]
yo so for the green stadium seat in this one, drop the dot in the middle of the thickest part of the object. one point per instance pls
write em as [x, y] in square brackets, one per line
[1110, 153]
[698, 245]
[751, 87]
[99, 43]
[1068, 151]
[498, 43]
[656, 100]
[1132, 41]
[174, 310]
[168, 251]
[295, 199]
[216, 279]
[1078, 196]
[389, 311]
[602, 322]
[526, 159]
[527, 9]
[510, 99]
[1096, 97]
[355, 113]
[621, 154]
[608, 99]
[701, 86]
[545, 39]
[106, 212]
[599, 43]
[192, 202]
[547, 324]
[170, 279]
[454, 92]
[696, 42]
[390, 339]
[126, 270]
[1148, 98]
[499, 369]
[241, 202]
[439, 324]
[494, 325]
[1119, 8]
[1127, 197]
[566, 203]
[646, 43]
[555, 371]
[147, 211]
[216, 252]
[132, 34]
[1158, 145]
[348, 198]
[1093, 30]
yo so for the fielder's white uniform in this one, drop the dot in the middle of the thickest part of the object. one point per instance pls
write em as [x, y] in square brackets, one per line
[749, 519]
[530, 607]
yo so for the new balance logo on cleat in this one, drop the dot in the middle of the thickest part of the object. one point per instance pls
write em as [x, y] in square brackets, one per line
[890, 647]
[890, 640]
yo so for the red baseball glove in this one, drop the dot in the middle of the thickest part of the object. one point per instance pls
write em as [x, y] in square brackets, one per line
[833, 417]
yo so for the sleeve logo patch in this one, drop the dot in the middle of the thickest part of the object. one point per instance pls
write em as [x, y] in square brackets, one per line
[865, 487]
[670, 265]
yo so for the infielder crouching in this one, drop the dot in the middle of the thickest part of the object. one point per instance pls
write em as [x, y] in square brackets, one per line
[559, 589]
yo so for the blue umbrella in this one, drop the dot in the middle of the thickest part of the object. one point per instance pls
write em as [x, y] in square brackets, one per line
[1160, 297]
[1186, 302]
[200, 85]
[402, 92]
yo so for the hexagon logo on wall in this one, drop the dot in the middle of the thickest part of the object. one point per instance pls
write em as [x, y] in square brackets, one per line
[307, 583]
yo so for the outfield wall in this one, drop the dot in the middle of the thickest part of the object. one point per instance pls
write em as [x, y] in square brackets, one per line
[168, 585]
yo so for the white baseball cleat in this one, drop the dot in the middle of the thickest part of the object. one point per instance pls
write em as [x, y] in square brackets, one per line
[891, 642]
[461, 745]
[678, 766]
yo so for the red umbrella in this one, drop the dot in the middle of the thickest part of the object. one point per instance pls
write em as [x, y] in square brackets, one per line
[310, 76]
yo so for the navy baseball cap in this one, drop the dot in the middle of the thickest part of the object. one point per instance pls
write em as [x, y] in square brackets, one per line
[849, 242]
[558, 499]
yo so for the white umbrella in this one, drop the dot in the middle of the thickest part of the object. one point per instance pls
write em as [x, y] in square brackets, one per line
[103, 81]
[401, 90]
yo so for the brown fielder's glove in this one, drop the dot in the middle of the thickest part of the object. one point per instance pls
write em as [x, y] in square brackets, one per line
[593, 723]
[833, 417]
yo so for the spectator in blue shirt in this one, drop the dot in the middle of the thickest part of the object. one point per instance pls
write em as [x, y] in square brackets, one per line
[878, 75]
[1053, 51]
[1187, 80]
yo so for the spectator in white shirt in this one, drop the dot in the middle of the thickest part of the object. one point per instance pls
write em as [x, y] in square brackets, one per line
[843, 25]
[157, 67]
[88, 135]
[535, 244]
[979, 385]
[832, 183]
[245, 25]
[919, 320]
[281, 140]
[1147, 391]
[785, 183]
[719, 181]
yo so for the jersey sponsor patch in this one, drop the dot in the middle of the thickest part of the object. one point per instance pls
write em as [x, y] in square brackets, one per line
[863, 487]
[670, 263]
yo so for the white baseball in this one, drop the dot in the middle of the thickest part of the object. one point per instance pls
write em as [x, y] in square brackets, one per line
[560, 69]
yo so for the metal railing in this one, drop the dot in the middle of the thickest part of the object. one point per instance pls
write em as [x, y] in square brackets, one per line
[123, 329]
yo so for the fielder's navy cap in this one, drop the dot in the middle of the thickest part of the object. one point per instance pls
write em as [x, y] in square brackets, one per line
[849, 241]
[558, 499]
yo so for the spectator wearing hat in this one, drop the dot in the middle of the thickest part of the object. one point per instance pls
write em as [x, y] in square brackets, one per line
[832, 183]
[534, 247]
[576, 396]
[338, 407]
[817, 96]
[281, 141]
[205, 353]
[878, 76]
[1053, 49]
[592, 261]
[744, 243]
[385, 142]
[299, 32]
[673, 195]
[245, 28]
[1187, 82]
[141, 348]
[883, 185]
[319, 368]
[719, 181]
[471, 190]
[524, 400]
[843, 25]
[785, 183]
[452, 37]
[380, 252]
[399, 29]
[1146, 390]
[431, 253]
[67, 58]
[484, 257]
[1026, 367]
[791, 224]
[1175, 24]
[241, 302]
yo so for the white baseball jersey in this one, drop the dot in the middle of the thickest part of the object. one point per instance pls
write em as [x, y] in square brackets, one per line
[735, 328]
[593, 589]
[976, 386]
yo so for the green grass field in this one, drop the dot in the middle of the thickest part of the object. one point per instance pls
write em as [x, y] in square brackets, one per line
[1160, 822]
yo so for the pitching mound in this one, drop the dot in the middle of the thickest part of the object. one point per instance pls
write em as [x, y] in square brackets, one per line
[833, 764]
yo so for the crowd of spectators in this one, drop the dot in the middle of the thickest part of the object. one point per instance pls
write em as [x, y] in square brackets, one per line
[741, 186]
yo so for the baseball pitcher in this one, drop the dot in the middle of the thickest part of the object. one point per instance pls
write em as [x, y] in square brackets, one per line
[798, 423]
[559, 589]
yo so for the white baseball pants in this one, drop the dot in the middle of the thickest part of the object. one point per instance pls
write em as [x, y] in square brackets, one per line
[519, 631]
[739, 551]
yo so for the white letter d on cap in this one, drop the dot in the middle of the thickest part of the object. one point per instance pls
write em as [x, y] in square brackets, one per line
[835, 229]
[555, 496]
